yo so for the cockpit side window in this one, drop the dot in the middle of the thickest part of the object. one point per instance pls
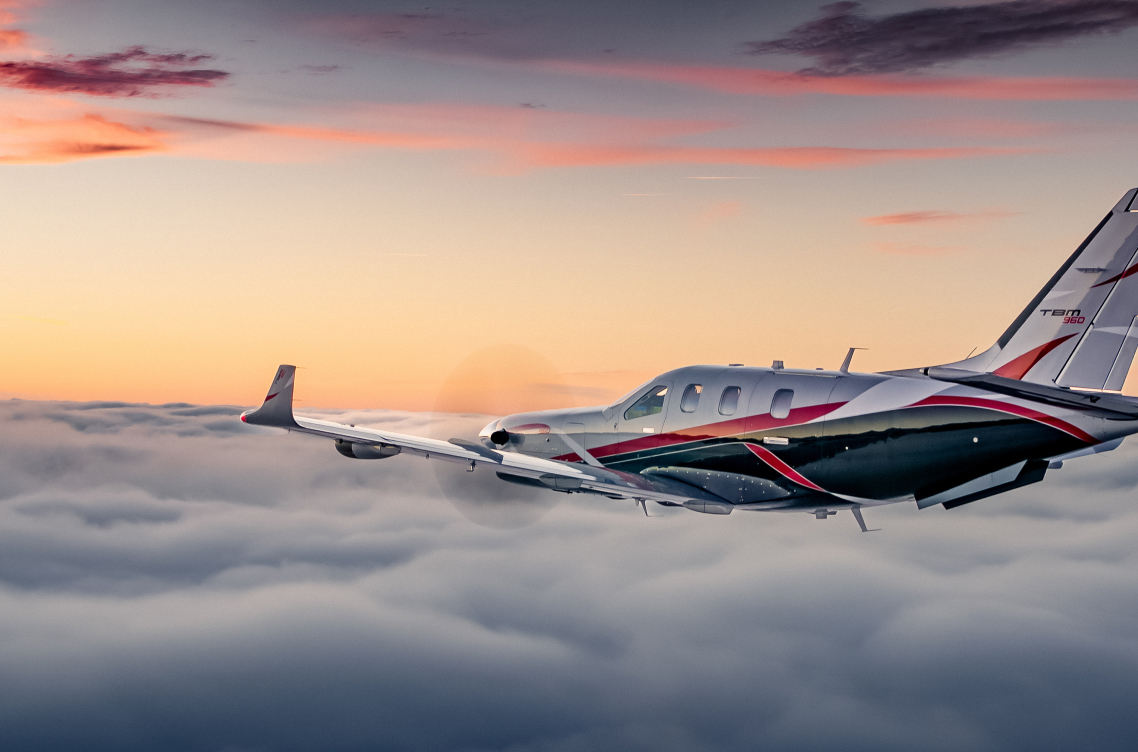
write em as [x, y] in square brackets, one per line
[690, 401]
[729, 401]
[650, 404]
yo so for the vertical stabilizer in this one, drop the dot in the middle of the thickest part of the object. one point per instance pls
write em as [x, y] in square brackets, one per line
[1081, 329]
[276, 410]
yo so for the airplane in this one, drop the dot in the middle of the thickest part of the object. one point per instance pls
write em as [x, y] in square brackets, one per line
[715, 439]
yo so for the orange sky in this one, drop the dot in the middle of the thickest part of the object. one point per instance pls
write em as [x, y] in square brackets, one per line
[377, 212]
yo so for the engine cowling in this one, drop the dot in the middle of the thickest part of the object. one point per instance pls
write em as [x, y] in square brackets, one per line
[357, 451]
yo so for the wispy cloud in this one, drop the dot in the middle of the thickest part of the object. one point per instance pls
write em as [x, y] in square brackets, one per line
[917, 249]
[933, 216]
[455, 33]
[24, 141]
[320, 70]
[132, 72]
[530, 42]
[515, 140]
[790, 157]
[718, 212]
[761, 82]
[12, 40]
[844, 42]
[986, 128]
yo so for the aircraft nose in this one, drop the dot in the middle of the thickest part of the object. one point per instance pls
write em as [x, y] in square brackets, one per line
[490, 428]
[493, 436]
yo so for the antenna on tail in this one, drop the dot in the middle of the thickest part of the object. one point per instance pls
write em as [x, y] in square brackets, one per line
[849, 359]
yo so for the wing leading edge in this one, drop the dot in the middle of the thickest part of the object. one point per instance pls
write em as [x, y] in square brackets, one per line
[276, 412]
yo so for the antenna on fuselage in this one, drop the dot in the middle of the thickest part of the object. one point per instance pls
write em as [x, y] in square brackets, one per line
[849, 359]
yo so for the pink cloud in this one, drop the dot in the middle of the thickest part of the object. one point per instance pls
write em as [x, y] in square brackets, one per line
[753, 81]
[514, 140]
[791, 157]
[131, 73]
[981, 128]
[914, 249]
[12, 40]
[718, 212]
[936, 217]
[477, 32]
[69, 139]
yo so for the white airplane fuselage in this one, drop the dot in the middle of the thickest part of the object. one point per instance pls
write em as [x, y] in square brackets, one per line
[868, 438]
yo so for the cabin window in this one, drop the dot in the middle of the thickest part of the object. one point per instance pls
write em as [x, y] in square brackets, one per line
[650, 404]
[780, 405]
[729, 402]
[690, 401]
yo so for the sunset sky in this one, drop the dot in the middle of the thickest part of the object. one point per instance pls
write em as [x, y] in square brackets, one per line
[196, 192]
[486, 207]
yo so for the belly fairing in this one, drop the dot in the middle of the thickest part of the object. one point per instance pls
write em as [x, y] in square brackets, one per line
[920, 450]
[880, 456]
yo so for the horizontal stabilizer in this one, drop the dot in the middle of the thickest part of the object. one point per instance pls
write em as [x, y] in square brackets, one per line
[1097, 404]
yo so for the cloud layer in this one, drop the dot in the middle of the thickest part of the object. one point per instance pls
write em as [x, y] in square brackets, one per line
[844, 42]
[172, 579]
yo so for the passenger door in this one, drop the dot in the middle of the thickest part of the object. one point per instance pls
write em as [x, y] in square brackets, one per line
[784, 415]
[689, 409]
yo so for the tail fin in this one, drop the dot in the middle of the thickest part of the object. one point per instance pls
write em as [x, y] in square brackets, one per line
[276, 410]
[1081, 330]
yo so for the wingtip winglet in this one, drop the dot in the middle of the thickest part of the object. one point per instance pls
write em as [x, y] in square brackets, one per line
[276, 410]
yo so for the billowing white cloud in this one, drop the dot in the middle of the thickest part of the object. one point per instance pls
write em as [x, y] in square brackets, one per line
[171, 579]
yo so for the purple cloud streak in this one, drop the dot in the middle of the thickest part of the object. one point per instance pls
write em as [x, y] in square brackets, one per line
[843, 42]
[133, 72]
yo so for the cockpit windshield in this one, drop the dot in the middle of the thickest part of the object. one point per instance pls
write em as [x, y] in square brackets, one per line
[608, 411]
[630, 394]
[650, 404]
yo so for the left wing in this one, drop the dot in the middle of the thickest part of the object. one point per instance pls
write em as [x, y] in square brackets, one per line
[276, 411]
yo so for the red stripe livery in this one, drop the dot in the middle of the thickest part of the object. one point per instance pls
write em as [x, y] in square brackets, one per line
[1007, 407]
[1017, 368]
[781, 467]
